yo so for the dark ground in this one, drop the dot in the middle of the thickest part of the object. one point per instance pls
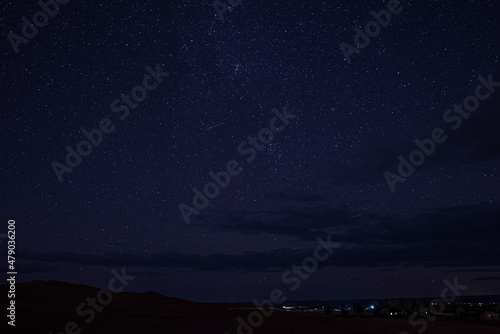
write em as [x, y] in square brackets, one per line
[47, 306]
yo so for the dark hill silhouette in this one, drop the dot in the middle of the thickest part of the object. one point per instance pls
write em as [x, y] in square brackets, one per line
[47, 306]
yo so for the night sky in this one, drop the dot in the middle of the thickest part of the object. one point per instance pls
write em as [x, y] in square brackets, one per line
[216, 83]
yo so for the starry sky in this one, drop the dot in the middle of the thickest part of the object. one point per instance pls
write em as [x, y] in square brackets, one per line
[323, 174]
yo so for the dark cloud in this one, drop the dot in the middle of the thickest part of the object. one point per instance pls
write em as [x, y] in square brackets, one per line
[476, 141]
[462, 223]
[482, 279]
[35, 267]
[442, 237]
[475, 270]
[251, 261]
[297, 197]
